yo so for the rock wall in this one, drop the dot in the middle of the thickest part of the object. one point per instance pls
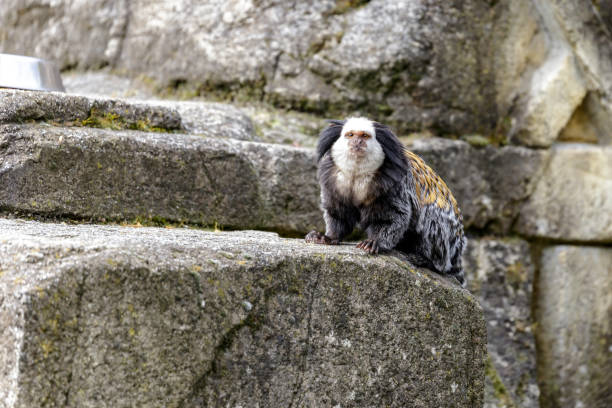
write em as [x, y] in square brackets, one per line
[521, 69]
[522, 91]
[574, 342]
[407, 62]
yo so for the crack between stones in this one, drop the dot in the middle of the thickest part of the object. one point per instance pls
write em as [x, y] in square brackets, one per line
[535, 251]
[80, 294]
[531, 187]
[211, 179]
[123, 33]
[535, 180]
[225, 342]
[276, 64]
[252, 321]
[304, 364]
[604, 28]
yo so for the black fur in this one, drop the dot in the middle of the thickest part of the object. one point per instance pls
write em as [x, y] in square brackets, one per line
[328, 137]
[395, 166]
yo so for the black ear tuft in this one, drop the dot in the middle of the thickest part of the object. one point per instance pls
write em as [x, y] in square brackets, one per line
[338, 122]
[328, 137]
[395, 166]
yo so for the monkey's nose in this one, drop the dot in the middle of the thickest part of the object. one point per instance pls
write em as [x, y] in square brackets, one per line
[358, 145]
[358, 150]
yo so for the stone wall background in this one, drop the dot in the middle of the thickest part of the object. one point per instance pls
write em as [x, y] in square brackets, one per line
[521, 92]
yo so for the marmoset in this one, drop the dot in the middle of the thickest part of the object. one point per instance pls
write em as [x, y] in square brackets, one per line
[368, 179]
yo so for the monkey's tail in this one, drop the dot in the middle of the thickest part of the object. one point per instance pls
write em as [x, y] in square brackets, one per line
[420, 260]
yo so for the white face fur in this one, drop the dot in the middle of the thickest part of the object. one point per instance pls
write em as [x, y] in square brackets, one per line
[349, 162]
[356, 170]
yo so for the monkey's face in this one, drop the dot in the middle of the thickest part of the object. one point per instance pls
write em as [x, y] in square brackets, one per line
[357, 149]
[357, 142]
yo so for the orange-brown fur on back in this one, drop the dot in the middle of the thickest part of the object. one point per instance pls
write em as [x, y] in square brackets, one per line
[430, 188]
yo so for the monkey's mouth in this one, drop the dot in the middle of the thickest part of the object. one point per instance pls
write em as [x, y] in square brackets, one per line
[357, 151]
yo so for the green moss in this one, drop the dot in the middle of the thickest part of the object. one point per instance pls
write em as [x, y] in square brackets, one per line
[180, 89]
[113, 121]
[501, 393]
[344, 6]
[384, 109]
[145, 126]
[516, 273]
[227, 255]
[102, 120]
[499, 137]
[152, 221]
[221, 91]
[477, 140]
[295, 286]
[316, 47]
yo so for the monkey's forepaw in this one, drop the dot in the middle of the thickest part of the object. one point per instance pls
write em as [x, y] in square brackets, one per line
[369, 245]
[314, 237]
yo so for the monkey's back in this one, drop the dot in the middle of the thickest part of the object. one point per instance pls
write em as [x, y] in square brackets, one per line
[430, 189]
[436, 233]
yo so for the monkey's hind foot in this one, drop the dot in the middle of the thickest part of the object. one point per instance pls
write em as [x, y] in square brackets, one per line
[314, 237]
[369, 245]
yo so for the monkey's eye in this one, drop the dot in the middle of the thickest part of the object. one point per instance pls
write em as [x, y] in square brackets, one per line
[366, 135]
[350, 134]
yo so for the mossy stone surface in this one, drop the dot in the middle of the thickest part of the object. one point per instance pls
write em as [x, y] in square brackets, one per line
[73, 110]
[164, 317]
[500, 273]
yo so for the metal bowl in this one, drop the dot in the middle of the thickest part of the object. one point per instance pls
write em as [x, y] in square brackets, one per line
[17, 71]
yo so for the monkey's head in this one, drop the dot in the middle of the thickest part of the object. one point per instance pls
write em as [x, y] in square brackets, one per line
[356, 149]
[363, 146]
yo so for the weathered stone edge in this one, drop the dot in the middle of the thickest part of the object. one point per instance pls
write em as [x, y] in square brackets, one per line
[106, 175]
[18, 106]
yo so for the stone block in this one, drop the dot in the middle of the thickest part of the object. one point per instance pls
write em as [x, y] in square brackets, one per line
[574, 326]
[572, 200]
[500, 273]
[120, 316]
[103, 174]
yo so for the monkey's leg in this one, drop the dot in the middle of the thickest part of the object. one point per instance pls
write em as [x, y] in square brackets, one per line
[385, 234]
[382, 239]
[339, 222]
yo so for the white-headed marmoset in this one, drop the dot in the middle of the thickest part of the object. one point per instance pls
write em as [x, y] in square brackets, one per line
[369, 179]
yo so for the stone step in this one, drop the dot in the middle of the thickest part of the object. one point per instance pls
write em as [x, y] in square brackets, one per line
[275, 185]
[124, 175]
[119, 316]
[207, 118]
[18, 106]
[250, 121]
